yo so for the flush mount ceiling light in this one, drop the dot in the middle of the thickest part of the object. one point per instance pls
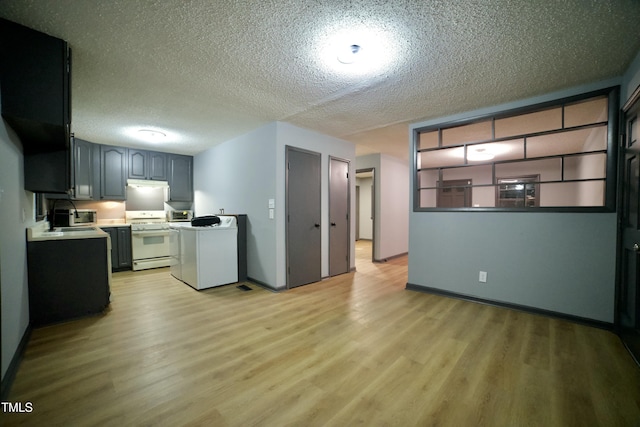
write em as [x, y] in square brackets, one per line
[150, 134]
[479, 154]
[154, 135]
[349, 54]
[357, 49]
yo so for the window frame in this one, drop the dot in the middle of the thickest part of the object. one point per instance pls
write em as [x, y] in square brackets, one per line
[612, 137]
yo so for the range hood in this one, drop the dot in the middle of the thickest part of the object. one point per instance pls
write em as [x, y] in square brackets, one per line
[144, 183]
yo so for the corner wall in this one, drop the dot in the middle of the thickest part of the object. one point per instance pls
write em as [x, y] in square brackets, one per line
[242, 174]
[326, 146]
[392, 204]
[239, 176]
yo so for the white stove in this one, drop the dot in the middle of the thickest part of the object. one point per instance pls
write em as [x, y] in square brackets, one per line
[149, 239]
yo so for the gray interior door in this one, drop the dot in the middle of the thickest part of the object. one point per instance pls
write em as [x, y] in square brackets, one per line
[628, 306]
[303, 217]
[339, 235]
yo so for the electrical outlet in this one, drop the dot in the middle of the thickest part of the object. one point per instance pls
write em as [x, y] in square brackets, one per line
[483, 277]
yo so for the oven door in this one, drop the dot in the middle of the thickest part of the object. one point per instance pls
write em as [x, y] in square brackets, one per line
[150, 248]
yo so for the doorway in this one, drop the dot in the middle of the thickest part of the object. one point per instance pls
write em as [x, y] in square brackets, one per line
[339, 218]
[303, 217]
[628, 291]
[365, 213]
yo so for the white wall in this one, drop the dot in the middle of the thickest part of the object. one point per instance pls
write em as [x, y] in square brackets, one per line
[14, 202]
[563, 262]
[394, 209]
[239, 176]
[365, 220]
[242, 174]
[289, 135]
[391, 224]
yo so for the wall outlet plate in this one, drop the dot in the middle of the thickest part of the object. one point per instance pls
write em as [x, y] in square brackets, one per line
[482, 278]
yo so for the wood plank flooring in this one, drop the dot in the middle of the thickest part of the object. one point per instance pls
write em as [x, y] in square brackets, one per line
[356, 349]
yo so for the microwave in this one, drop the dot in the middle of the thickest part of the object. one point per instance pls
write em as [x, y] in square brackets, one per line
[179, 216]
[74, 217]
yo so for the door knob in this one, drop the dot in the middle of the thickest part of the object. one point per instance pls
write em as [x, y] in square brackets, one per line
[316, 225]
[636, 247]
[333, 224]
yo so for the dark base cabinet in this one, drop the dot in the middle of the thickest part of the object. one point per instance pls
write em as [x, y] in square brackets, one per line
[242, 247]
[121, 258]
[67, 279]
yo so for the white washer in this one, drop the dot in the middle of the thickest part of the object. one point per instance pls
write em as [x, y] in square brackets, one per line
[207, 256]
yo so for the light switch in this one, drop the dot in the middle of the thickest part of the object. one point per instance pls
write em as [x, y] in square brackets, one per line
[271, 213]
[272, 203]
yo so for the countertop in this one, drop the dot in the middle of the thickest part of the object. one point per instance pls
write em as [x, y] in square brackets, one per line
[112, 223]
[40, 232]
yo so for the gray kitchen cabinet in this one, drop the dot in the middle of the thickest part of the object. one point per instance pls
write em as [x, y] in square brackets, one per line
[36, 87]
[180, 178]
[145, 164]
[36, 104]
[121, 258]
[113, 172]
[83, 173]
[68, 279]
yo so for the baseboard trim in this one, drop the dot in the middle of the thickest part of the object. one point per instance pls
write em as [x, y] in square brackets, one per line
[524, 308]
[12, 369]
[391, 257]
[263, 285]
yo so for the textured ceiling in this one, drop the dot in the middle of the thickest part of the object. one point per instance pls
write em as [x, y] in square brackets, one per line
[208, 71]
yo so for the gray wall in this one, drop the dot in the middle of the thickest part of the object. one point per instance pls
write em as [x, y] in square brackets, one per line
[564, 262]
[16, 214]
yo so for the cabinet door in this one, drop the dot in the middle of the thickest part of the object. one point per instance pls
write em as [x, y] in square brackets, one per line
[124, 247]
[157, 166]
[138, 164]
[35, 87]
[113, 235]
[83, 169]
[113, 176]
[180, 178]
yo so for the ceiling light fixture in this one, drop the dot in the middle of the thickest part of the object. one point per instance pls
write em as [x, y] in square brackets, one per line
[479, 154]
[153, 135]
[349, 55]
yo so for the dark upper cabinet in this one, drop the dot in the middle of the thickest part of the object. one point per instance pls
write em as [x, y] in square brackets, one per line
[48, 172]
[36, 89]
[180, 178]
[83, 169]
[147, 165]
[113, 172]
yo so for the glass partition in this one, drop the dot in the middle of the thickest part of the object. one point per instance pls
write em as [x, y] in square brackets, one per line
[558, 155]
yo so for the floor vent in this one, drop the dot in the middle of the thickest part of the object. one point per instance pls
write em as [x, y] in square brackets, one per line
[244, 288]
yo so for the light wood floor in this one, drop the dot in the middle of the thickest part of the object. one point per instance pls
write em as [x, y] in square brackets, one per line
[356, 349]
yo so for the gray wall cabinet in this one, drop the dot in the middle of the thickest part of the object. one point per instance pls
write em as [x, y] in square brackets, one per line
[113, 175]
[180, 178]
[83, 173]
[147, 165]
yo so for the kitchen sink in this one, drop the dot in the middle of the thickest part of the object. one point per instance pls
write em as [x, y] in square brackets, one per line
[71, 229]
